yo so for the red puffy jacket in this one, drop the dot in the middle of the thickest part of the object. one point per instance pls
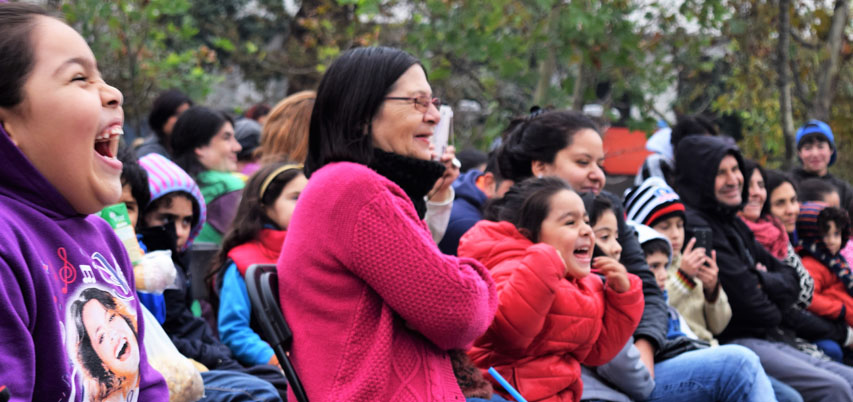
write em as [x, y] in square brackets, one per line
[830, 296]
[546, 325]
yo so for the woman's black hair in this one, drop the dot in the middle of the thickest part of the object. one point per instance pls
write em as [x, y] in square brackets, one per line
[86, 354]
[656, 246]
[194, 129]
[349, 96]
[772, 180]
[164, 107]
[251, 215]
[538, 138]
[526, 205]
[17, 21]
[691, 125]
[815, 189]
[841, 219]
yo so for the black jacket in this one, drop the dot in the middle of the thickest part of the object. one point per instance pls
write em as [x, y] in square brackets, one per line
[758, 298]
[653, 324]
[191, 335]
[845, 193]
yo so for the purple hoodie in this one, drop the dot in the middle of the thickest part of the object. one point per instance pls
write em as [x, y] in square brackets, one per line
[64, 276]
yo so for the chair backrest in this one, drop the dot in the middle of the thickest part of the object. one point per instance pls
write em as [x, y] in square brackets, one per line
[262, 286]
[201, 256]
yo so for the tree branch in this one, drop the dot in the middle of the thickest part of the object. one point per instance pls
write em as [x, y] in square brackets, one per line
[802, 41]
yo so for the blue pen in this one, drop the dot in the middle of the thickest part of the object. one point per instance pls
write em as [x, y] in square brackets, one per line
[504, 383]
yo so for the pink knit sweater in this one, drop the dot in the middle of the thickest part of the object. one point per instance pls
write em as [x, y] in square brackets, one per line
[373, 304]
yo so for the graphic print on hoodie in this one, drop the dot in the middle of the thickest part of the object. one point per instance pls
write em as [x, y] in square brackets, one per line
[69, 312]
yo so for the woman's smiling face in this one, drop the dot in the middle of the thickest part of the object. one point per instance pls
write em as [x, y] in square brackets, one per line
[70, 121]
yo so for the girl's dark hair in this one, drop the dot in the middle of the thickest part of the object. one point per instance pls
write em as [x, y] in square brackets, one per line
[349, 96]
[164, 107]
[538, 138]
[134, 175]
[16, 45]
[656, 246]
[526, 205]
[107, 380]
[841, 219]
[815, 189]
[195, 128]
[772, 180]
[599, 204]
[251, 216]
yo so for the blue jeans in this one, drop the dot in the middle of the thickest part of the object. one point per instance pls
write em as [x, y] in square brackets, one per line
[232, 386]
[784, 392]
[725, 373]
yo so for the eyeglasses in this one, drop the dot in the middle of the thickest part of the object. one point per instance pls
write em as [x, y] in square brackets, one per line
[421, 102]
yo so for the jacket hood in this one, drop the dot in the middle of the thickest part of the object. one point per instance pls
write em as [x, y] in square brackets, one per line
[22, 181]
[466, 188]
[646, 234]
[660, 143]
[493, 242]
[697, 159]
[165, 177]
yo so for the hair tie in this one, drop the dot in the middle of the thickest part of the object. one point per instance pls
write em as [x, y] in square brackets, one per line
[275, 174]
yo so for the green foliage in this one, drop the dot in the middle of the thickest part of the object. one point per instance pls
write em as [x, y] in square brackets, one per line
[143, 47]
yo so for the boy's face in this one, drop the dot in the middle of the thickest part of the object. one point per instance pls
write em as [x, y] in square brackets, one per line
[815, 156]
[658, 262]
[673, 229]
[607, 235]
[179, 212]
[832, 238]
[130, 203]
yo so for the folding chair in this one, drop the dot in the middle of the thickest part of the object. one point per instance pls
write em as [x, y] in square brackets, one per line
[262, 286]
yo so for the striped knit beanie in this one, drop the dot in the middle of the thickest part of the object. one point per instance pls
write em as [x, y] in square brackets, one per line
[652, 201]
[165, 177]
[807, 228]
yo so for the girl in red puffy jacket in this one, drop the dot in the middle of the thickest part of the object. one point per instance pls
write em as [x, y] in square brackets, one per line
[552, 314]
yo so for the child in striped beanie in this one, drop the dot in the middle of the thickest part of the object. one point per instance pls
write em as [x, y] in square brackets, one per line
[175, 198]
[692, 284]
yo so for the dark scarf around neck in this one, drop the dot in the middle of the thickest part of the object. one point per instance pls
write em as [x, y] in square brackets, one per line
[415, 176]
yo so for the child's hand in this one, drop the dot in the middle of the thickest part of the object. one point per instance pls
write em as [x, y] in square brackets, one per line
[708, 272]
[614, 272]
[692, 259]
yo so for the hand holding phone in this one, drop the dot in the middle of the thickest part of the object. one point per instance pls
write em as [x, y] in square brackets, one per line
[704, 239]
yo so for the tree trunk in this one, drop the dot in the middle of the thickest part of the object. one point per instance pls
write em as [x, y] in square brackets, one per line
[784, 71]
[546, 69]
[829, 71]
[580, 87]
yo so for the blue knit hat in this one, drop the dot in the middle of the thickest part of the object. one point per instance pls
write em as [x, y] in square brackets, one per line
[817, 126]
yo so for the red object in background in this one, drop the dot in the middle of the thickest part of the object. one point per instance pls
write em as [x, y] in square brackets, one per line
[624, 151]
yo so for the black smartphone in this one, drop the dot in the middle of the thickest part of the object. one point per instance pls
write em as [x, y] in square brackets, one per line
[704, 238]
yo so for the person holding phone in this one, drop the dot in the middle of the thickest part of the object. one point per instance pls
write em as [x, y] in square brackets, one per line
[759, 286]
[692, 285]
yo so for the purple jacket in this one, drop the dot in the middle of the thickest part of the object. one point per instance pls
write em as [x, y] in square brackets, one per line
[68, 307]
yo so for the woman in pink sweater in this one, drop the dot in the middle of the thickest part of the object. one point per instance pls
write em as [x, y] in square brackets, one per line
[373, 304]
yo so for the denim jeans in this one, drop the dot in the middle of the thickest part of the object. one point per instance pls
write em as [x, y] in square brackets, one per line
[232, 386]
[725, 373]
[814, 379]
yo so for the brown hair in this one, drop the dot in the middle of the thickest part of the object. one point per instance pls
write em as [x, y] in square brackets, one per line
[16, 45]
[285, 133]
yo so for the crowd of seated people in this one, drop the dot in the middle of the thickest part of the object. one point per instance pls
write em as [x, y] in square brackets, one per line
[403, 273]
